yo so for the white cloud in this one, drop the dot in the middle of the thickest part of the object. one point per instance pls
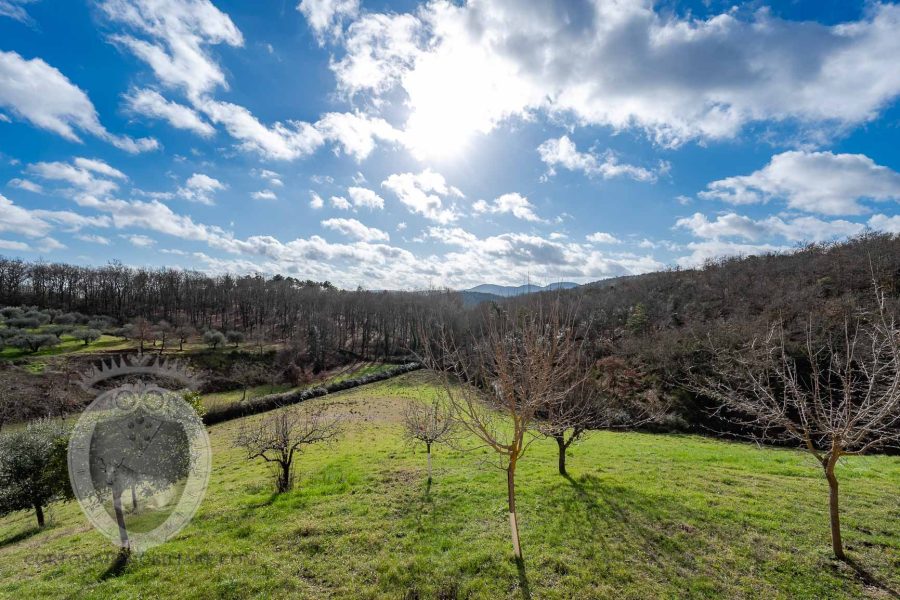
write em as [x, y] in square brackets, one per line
[379, 49]
[201, 188]
[83, 178]
[100, 167]
[151, 103]
[326, 17]
[512, 203]
[885, 223]
[15, 9]
[422, 193]
[797, 229]
[704, 251]
[355, 229]
[140, 241]
[562, 152]
[282, 141]
[26, 184]
[821, 182]
[340, 203]
[16, 219]
[315, 201]
[602, 237]
[622, 65]
[93, 239]
[43, 96]
[272, 177]
[264, 195]
[356, 133]
[364, 197]
[179, 30]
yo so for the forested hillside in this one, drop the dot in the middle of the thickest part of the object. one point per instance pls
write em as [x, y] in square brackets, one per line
[652, 328]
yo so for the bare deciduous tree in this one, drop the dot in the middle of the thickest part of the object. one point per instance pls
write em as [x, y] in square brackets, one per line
[279, 437]
[610, 394]
[427, 423]
[498, 378]
[841, 397]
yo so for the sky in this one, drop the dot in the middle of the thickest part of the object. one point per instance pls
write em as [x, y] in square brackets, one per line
[404, 145]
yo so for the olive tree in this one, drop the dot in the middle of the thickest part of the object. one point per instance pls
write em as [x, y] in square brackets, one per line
[33, 469]
[34, 342]
[214, 339]
[279, 437]
[839, 397]
[87, 335]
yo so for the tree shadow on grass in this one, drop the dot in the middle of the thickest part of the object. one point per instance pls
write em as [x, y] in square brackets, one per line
[119, 563]
[871, 580]
[22, 535]
[523, 579]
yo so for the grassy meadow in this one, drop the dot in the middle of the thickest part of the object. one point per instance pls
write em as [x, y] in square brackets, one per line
[642, 516]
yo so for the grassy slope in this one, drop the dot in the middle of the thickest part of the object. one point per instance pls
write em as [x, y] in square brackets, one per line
[644, 516]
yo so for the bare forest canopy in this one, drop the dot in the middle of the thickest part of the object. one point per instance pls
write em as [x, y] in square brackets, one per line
[652, 327]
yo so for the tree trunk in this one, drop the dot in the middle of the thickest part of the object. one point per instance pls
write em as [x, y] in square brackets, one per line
[836, 542]
[39, 513]
[511, 499]
[561, 442]
[134, 505]
[428, 446]
[120, 514]
[284, 481]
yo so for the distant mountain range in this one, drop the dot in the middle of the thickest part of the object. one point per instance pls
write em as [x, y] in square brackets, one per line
[488, 291]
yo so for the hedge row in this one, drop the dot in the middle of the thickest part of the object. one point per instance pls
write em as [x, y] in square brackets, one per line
[237, 410]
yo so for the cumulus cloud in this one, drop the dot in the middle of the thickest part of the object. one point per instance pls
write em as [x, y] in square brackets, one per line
[272, 177]
[82, 176]
[282, 141]
[93, 239]
[622, 65]
[602, 237]
[201, 188]
[355, 229]
[563, 153]
[315, 201]
[819, 182]
[43, 96]
[264, 195]
[326, 17]
[364, 197]
[797, 229]
[513, 203]
[151, 103]
[340, 203]
[424, 193]
[26, 184]
[355, 133]
[139, 240]
[179, 31]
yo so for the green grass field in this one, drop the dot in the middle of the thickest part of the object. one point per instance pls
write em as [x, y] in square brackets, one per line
[643, 516]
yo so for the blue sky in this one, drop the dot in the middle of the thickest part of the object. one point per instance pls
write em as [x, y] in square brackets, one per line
[407, 145]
